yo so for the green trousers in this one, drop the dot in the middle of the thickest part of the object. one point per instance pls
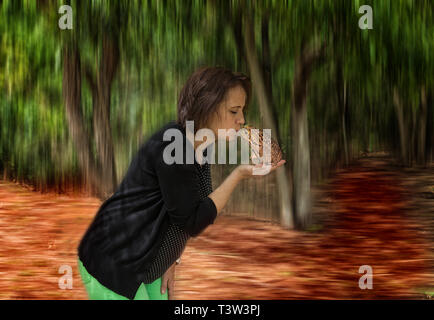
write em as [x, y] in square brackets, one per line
[96, 291]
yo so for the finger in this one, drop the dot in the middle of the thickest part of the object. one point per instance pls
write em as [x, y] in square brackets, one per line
[163, 285]
[279, 164]
[274, 167]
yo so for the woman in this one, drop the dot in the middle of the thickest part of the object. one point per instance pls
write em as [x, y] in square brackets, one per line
[132, 247]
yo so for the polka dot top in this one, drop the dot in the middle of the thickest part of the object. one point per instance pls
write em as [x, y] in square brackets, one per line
[175, 240]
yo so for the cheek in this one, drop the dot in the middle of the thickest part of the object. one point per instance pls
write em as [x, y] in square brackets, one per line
[227, 121]
[224, 122]
[231, 119]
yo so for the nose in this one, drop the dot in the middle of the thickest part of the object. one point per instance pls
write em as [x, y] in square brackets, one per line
[241, 120]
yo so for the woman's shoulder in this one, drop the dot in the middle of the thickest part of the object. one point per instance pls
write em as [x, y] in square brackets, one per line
[165, 130]
[157, 137]
[156, 144]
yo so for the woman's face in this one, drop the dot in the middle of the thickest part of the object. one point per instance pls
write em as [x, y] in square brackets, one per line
[230, 112]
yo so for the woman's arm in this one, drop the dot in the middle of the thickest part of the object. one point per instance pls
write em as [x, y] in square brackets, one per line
[221, 195]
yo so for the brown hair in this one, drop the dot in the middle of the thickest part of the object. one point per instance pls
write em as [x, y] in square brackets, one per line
[205, 90]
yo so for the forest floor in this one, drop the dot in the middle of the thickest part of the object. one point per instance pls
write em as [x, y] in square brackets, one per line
[372, 213]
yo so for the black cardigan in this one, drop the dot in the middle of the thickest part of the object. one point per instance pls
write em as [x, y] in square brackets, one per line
[128, 228]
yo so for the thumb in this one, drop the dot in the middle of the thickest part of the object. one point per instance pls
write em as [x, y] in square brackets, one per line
[163, 286]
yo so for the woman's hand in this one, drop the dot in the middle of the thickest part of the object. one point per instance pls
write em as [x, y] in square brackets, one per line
[168, 281]
[220, 196]
[259, 170]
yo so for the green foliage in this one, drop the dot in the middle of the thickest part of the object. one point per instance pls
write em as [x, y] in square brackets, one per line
[162, 42]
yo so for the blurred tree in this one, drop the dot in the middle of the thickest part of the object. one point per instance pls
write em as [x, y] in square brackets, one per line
[261, 78]
[76, 105]
[102, 172]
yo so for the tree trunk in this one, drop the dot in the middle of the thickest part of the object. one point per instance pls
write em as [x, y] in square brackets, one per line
[370, 149]
[101, 115]
[77, 129]
[101, 173]
[301, 153]
[344, 124]
[238, 36]
[266, 71]
[286, 216]
[301, 166]
[412, 144]
[402, 127]
[429, 143]
[422, 128]
[342, 103]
